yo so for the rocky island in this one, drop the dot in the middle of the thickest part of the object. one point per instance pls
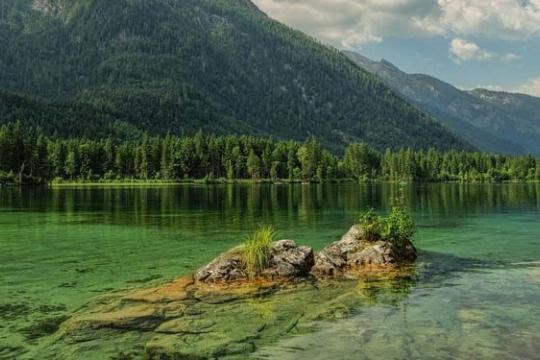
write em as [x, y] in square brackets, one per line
[289, 262]
[250, 295]
[375, 243]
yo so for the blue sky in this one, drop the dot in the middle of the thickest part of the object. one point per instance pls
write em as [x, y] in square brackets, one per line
[468, 43]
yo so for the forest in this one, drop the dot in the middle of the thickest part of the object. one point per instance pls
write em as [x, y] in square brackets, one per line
[27, 156]
[100, 68]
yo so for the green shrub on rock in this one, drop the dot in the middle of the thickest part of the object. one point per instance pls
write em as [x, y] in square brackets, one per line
[370, 225]
[397, 228]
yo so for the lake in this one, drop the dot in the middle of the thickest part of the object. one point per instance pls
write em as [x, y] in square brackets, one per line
[475, 294]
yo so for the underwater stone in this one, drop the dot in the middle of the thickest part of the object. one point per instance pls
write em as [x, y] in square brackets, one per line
[214, 321]
[44, 327]
[140, 317]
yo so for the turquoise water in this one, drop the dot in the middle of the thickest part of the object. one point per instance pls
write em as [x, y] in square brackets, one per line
[476, 294]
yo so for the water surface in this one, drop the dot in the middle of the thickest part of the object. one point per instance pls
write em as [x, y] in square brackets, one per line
[475, 296]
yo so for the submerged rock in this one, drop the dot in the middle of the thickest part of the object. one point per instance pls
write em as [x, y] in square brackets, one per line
[287, 261]
[353, 253]
[185, 320]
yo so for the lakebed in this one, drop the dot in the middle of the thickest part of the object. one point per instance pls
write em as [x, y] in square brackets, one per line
[473, 290]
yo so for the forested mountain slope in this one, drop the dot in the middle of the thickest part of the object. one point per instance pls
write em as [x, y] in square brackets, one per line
[182, 65]
[491, 121]
[64, 120]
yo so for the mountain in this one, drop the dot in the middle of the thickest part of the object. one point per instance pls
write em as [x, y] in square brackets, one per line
[491, 121]
[522, 106]
[177, 66]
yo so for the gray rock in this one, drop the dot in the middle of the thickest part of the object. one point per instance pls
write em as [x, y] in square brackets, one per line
[379, 253]
[287, 261]
[352, 252]
[227, 267]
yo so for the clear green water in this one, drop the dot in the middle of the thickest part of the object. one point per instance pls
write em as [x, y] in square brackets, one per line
[477, 295]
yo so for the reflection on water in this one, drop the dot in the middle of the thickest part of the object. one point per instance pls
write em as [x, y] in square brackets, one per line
[245, 203]
[476, 280]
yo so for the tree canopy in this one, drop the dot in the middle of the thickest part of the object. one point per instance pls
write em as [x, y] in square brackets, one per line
[95, 68]
[28, 156]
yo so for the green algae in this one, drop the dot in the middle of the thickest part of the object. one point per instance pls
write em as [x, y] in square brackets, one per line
[13, 311]
[65, 251]
[44, 327]
[244, 320]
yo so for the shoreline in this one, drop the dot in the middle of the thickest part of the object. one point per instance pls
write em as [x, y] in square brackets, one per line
[142, 183]
[272, 182]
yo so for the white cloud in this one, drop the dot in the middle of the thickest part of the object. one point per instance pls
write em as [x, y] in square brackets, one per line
[532, 87]
[463, 50]
[507, 19]
[510, 57]
[348, 23]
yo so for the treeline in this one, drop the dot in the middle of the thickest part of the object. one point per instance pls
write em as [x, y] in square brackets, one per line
[27, 156]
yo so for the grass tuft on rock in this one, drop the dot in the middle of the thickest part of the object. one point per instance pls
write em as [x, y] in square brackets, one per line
[256, 250]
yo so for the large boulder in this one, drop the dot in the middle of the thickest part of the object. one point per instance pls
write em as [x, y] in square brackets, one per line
[286, 261]
[353, 253]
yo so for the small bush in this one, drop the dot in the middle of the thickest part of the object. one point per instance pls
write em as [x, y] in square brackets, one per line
[256, 250]
[397, 228]
[370, 225]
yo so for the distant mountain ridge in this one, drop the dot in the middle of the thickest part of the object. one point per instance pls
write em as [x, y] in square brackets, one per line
[178, 66]
[491, 121]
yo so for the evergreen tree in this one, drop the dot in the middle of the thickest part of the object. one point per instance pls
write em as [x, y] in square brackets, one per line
[309, 156]
[359, 161]
[254, 165]
[70, 167]
[291, 162]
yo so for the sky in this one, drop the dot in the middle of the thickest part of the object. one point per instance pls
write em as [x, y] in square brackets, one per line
[493, 44]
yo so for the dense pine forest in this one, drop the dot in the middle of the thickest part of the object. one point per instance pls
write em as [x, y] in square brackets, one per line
[131, 91]
[28, 156]
[102, 68]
